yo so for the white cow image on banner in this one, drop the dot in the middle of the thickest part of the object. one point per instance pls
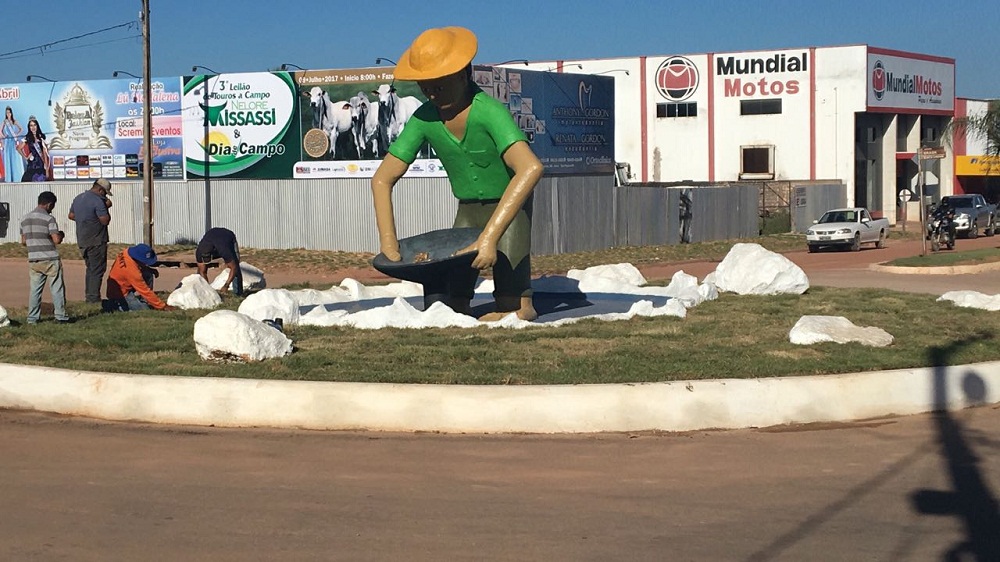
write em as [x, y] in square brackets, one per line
[333, 118]
[393, 112]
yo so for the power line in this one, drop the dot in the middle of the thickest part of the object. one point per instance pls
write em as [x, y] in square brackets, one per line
[2, 57]
[41, 48]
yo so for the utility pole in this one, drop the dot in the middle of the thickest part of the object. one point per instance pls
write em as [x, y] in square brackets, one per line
[147, 132]
[923, 211]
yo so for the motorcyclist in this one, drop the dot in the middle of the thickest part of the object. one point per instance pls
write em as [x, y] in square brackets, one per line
[946, 213]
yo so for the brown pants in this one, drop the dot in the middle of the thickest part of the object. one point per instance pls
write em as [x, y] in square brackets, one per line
[512, 271]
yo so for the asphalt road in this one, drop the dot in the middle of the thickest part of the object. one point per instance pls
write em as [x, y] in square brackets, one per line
[914, 488]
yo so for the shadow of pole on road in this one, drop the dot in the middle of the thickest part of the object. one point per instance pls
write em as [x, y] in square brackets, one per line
[970, 500]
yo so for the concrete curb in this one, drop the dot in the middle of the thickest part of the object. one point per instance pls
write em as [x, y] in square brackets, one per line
[942, 270]
[667, 406]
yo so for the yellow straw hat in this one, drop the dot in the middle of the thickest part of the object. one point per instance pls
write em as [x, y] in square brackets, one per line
[436, 53]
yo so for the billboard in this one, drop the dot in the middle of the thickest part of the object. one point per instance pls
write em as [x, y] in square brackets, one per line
[241, 125]
[94, 128]
[350, 117]
[568, 118]
[309, 124]
[904, 83]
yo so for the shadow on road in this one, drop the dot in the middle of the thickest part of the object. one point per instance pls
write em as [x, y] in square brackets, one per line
[970, 500]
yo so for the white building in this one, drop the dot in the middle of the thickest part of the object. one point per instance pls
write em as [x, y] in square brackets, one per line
[853, 113]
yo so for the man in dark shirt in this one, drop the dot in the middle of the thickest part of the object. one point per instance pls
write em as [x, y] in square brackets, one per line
[221, 243]
[90, 212]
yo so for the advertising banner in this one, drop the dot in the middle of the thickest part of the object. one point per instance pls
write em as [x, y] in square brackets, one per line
[241, 125]
[95, 128]
[350, 117]
[568, 118]
[899, 83]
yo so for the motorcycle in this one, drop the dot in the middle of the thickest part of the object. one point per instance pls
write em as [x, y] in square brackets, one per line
[941, 231]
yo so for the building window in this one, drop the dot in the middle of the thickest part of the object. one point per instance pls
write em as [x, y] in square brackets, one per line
[756, 162]
[689, 109]
[760, 107]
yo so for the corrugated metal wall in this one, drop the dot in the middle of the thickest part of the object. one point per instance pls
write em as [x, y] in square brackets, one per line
[23, 197]
[313, 214]
[571, 214]
[810, 201]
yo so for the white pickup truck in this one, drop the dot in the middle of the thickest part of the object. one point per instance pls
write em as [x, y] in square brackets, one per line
[849, 228]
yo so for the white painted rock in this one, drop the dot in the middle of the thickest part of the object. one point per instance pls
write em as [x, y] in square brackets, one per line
[972, 299]
[225, 335]
[194, 292]
[253, 278]
[270, 304]
[599, 277]
[4, 320]
[815, 329]
[684, 287]
[751, 269]
[708, 291]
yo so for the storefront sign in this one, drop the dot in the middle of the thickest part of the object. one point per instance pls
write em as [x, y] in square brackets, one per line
[977, 165]
[763, 74]
[901, 83]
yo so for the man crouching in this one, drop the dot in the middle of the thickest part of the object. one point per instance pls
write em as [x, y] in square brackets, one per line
[130, 281]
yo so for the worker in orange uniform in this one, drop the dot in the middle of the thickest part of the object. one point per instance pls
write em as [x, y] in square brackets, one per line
[130, 281]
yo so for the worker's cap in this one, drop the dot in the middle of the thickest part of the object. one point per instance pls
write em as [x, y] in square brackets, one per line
[143, 254]
[103, 183]
[437, 53]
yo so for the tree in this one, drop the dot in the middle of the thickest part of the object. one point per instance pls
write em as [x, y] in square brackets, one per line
[984, 126]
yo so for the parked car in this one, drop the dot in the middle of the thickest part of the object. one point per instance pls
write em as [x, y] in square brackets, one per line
[972, 212]
[847, 228]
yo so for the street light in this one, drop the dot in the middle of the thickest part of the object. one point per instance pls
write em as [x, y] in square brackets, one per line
[380, 60]
[30, 76]
[612, 70]
[560, 67]
[512, 61]
[205, 145]
[115, 74]
[285, 65]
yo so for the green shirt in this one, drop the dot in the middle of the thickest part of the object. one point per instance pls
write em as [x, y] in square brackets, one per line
[474, 164]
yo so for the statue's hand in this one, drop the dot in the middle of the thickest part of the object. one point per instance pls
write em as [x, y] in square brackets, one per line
[392, 253]
[487, 253]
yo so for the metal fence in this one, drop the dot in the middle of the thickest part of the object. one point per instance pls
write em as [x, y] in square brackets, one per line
[570, 214]
[810, 201]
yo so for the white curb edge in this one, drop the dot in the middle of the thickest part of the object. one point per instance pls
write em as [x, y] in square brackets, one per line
[937, 270]
[664, 406]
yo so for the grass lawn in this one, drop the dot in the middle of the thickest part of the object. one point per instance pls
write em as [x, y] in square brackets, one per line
[735, 336]
[950, 258]
[743, 337]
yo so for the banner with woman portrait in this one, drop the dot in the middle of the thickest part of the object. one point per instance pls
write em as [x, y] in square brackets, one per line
[94, 128]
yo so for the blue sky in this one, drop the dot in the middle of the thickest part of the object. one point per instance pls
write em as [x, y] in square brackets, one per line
[256, 35]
